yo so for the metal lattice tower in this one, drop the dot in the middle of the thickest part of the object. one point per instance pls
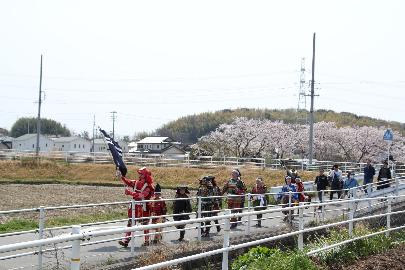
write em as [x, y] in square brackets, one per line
[302, 102]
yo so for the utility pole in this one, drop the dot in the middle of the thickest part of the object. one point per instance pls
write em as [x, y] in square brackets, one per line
[113, 117]
[311, 112]
[39, 110]
[94, 128]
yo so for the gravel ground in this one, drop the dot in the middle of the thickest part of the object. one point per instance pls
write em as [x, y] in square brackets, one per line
[19, 196]
[16, 196]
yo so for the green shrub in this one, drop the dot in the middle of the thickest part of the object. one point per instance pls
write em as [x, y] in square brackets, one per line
[267, 259]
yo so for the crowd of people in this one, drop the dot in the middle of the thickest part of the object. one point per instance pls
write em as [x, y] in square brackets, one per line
[211, 196]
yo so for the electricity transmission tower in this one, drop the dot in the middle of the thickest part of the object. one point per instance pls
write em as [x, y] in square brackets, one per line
[302, 117]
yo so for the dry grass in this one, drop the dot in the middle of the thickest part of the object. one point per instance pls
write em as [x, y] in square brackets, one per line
[28, 171]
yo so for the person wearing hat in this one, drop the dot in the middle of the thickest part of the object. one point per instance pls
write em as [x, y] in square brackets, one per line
[158, 210]
[207, 202]
[350, 184]
[181, 208]
[384, 176]
[140, 190]
[234, 188]
[217, 202]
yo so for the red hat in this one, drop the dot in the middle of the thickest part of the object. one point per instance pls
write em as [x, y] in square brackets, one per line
[146, 173]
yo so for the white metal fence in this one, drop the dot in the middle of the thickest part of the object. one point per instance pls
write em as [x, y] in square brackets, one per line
[350, 207]
[159, 160]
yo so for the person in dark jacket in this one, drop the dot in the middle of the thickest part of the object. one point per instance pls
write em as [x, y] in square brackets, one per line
[369, 173]
[384, 176]
[321, 182]
[182, 207]
[336, 182]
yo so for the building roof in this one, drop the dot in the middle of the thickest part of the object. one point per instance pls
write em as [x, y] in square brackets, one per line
[66, 139]
[155, 140]
[173, 146]
[27, 137]
[6, 139]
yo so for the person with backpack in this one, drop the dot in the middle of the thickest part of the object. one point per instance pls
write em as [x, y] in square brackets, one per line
[336, 180]
[140, 190]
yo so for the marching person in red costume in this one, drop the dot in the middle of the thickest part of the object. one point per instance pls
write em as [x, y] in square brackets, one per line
[141, 189]
[158, 209]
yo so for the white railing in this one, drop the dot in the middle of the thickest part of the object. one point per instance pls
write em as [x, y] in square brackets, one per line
[249, 208]
[77, 235]
[185, 160]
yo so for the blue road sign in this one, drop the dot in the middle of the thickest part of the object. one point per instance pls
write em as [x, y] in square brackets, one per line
[388, 136]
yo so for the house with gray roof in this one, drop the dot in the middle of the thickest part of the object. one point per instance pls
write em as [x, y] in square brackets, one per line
[159, 145]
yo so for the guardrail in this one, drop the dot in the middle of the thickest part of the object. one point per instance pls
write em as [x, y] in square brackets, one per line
[249, 208]
[78, 235]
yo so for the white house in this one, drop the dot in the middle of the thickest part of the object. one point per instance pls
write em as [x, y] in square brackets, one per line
[159, 145]
[71, 144]
[28, 142]
[6, 142]
[101, 146]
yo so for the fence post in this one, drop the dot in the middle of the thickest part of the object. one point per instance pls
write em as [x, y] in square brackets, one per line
[75, 257]
[247, 231]
[199, 202]
[351, 216]
[41, 226]
[323, 206]
[388, 216]
[289, 205]
[227, 229]
[301, 227]
[396, 186]
[132, 225]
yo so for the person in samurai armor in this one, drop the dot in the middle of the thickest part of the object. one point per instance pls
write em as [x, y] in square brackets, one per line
[284, 196]
[302, 197]
[259, 198]
[181, 208]
[207, 202]
[141, 189]
[243, 191]
[234, 188]
[217, 205]
[158, 211]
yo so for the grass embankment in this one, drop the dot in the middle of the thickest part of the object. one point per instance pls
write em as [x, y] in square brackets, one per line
[335, 258]
[19, 224]
[28, 171]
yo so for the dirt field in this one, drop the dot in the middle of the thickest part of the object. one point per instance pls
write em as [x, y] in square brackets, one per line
[393, 259]
[18, 196]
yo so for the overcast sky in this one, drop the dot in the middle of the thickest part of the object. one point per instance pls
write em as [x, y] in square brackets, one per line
[154, 61]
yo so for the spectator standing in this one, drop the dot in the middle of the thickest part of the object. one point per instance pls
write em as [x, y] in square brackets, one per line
[321, 182]
[369, 173]
[336, 180]
[181, 208]
[384, 176]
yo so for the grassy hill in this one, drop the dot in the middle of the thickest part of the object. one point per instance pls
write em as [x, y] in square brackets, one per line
[189, 128]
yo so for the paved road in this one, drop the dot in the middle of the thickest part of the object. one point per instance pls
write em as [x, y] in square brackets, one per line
[97, 254]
